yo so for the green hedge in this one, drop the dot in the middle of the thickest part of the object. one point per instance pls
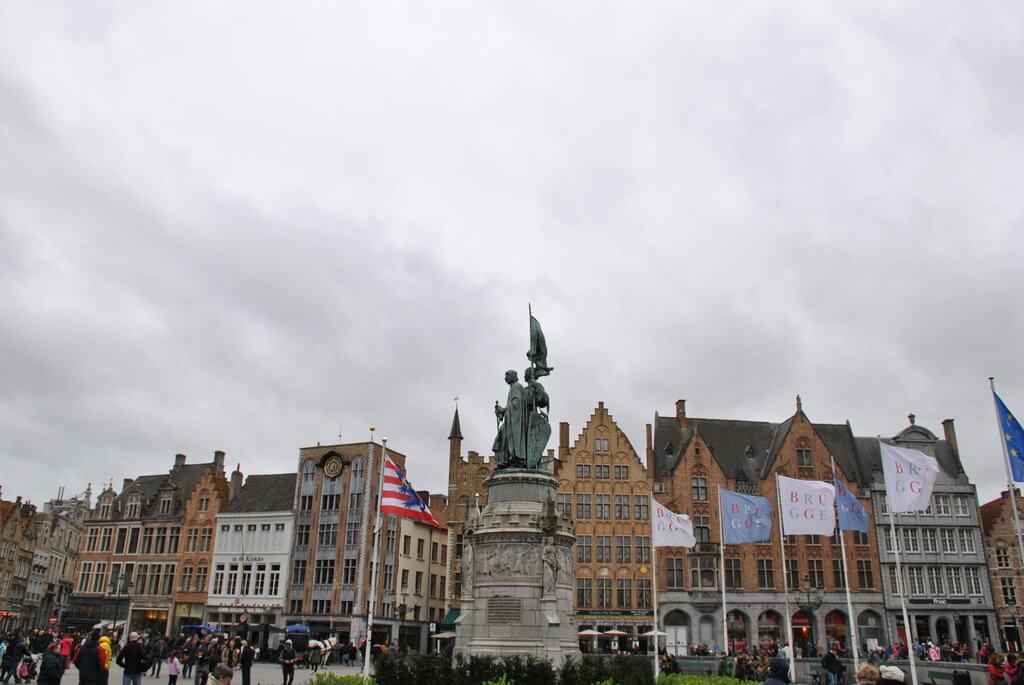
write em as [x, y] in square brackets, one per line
[678, 679]
[326, 678]
[429, 669]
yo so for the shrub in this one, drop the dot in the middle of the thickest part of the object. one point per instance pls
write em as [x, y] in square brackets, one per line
[679, 679]
[323, 678]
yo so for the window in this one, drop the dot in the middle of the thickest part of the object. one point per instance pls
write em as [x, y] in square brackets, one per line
[207, 539]
[330, 502]
[765, 574]
[816, 572]
[321, 607]
[186, 579]
[564, 504]
[1002, 557]
[389, 575]
[93, 538]
[643, 549]
[967, 540]
[357, 470]
[161, 540]
[165, 506]
[604, 548]
[352, 535]
[404, 585]
[936, 586]
[942, 505]
[418, 587]
[621, 472]
[955, 580]
[583, 470]
[133, 540]
[433, 585]
[911, 543]
[85, 575]
[948, 541]
[929, 540]
[583, 551]
[622, 507]
[323, 572]
[623, 549]
[861, 539]
[624, 593]
[702, 528]
[348, 572]
[204, 504]
[100, 577]
[583, 507]
[246, 582]
[641, 507]
[406, 545]
[963, 507]
[812, 540]
[327, 536]
[105, 539]
[264, 527]
[306, 503]
[302, 535]
[803, 458]
[295, 606]
[420, 548]
[916, 575]
[604, 593]
[603, 510]
[307, 472]
[299, 572]
[355, 501]
[602, 471]
[699, 489]
[793, 574]
[865, 578]
[601, 445]
[674, 573]
[278, 527]
[973, 580]
[260, 580]
[172, 540]
[275, 579]
[837, 575]
[894, 582]
[643, 593]
[218, 579]
[132, 511]
[201, 576]
[232, 579]
[584, 592]
[434, 549]
[733, 574]
[1009, 591]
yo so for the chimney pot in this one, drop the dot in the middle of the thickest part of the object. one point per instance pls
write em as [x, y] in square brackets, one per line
[218, 460]
[179, 460]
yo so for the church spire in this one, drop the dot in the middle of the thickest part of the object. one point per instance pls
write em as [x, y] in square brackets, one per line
[456, 431]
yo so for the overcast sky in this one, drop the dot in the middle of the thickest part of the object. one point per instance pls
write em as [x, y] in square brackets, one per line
[241, 226]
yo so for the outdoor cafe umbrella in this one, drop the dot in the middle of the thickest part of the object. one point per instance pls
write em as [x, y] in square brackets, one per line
[589, 632]
[653, 633]
[614, 633]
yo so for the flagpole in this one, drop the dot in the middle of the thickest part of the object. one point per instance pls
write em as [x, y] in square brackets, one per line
[846, 579]
[653, 586]
[1009, 474]
[785, 584]
[901, 591]
[721, 537]
[375, 559]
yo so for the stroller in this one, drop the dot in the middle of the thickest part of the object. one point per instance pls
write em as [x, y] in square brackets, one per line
[27, 668]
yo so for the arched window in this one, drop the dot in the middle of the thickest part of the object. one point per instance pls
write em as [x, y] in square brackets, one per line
[836, 628]
[308, 470]
[737, 627]
[769, 628]
[803, 454]
[357, 470]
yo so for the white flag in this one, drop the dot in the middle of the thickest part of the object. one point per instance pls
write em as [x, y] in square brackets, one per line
[909, 477]
[669, 529]
[808, 507]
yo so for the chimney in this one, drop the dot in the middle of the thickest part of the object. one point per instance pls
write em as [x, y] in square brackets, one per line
[650, 449]
[126, 484]
[236, 482]
[179, 460]
[681, 413]
[950, 431]
[218, 461]
[563, 439]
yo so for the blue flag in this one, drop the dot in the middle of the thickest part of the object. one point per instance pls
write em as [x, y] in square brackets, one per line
[1013, 436]
[745, 518]
[852, 515]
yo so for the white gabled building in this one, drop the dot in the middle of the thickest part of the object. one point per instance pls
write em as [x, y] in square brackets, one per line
[249, 570]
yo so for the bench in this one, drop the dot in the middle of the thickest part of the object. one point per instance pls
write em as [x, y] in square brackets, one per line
[937, 677]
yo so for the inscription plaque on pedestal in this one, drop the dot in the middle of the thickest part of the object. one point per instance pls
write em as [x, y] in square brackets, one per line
[504, 610]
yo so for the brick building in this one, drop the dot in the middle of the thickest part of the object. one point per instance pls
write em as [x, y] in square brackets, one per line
[140, 543]
[336, 489]
[691, 458]
[1005, 567]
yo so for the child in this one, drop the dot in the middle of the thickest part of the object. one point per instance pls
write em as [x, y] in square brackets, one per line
[174, 667]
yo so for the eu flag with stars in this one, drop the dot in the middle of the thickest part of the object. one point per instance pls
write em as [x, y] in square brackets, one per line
[1013, 437]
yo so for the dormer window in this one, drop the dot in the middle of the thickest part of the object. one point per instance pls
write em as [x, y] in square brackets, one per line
[104, 509]
[165, 505]
[803, 455]
[132, 511]
[204, 504]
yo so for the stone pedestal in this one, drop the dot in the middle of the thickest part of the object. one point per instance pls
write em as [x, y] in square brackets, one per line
[518, 572]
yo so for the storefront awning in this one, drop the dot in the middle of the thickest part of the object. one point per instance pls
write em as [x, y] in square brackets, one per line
[448, 624]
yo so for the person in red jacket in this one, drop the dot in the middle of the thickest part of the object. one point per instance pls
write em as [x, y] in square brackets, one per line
[65, 649]
[995, 671]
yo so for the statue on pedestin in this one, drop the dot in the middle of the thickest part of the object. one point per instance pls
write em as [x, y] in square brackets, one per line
[523, 426]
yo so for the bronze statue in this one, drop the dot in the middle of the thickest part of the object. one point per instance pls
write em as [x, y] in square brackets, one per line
[523, 427]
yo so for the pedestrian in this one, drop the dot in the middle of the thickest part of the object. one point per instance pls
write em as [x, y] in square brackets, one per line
[867, 675]
[174, 668]
[245, 659]
[890, 675]
[51, 666]
[220, 675]
[156, 657]
[133, 660]
[995, 670]
[314, 656]
[106, 658]
[1010, 667]
[202, 659]
[287, 660]
[833, 667]
[87, 661]
[778, 672]
[12, 660]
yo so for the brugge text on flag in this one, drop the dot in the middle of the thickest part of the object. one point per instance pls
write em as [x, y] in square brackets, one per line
[852, 515]
[745, 518]
[669, 529]
[399, 497]
[909, 477]
[1012, 434]
[808, 507]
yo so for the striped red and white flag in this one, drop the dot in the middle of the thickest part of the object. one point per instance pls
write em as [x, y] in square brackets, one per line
[400, 498]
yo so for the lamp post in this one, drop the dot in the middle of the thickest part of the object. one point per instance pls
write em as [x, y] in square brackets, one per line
[402, 608]
[120, 586]
[814, 596]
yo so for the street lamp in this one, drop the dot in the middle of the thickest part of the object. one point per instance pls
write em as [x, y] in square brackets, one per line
[402, 608]
[120, 586]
